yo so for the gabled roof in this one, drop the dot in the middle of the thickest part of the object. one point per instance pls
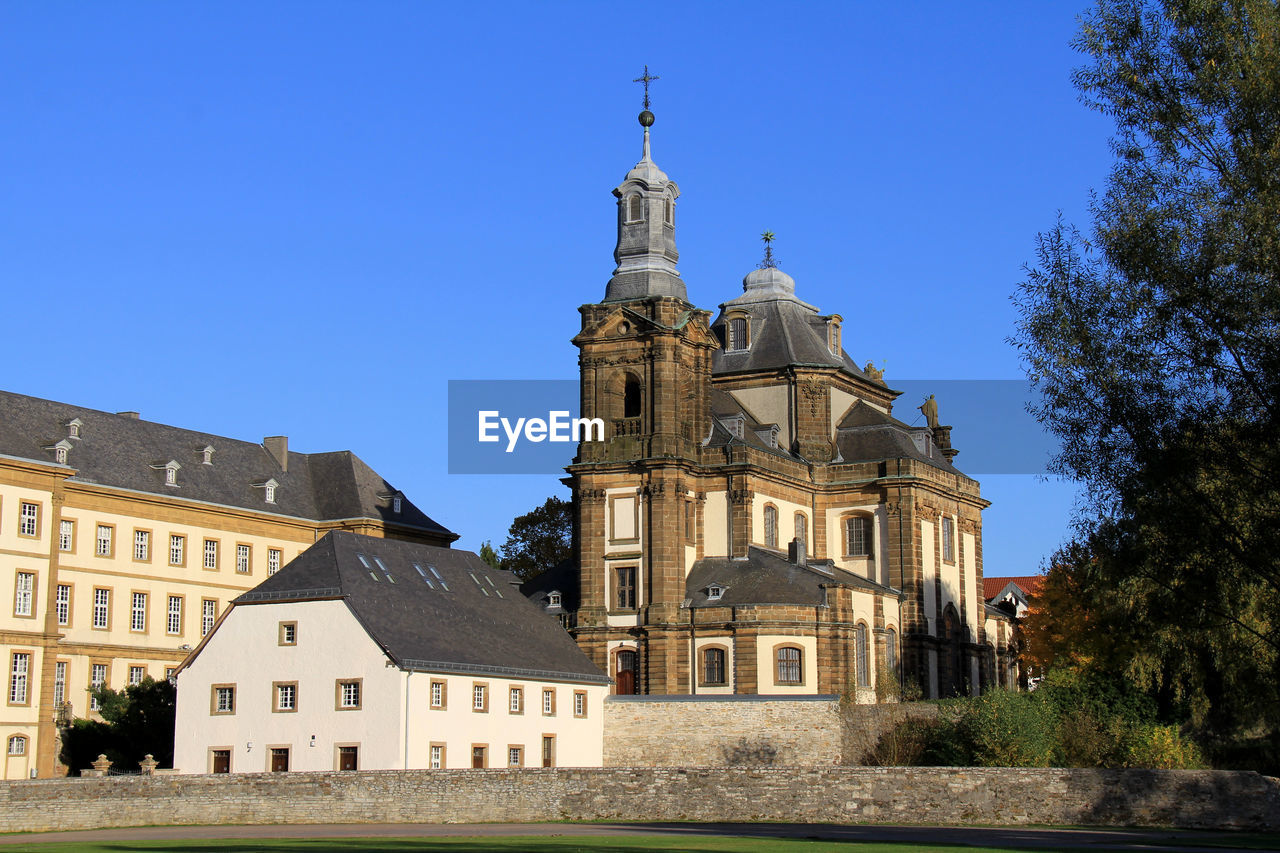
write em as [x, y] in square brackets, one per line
[464, 616]
[866, 434]
[764, 577]
[121, 451]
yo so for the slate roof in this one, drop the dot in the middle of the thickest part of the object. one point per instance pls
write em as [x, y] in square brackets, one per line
[867, 434]
[463, 617]
[784, 332]
[561, 578]
[765, 577]
[123, 452]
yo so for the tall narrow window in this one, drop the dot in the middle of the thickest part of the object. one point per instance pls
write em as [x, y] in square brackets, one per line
[141, 545]
[635, 213]
[105, 532]
[738, 339]
[670, 212]
[713, 666]
[211, 553]
[516, 703]
[101, 608]
[948, 539]
[177, 550]
[208, 615]
[66, 535]
[62, 604]
[861, 663]
[802, 532]
[97, 678]
[790, 665]
[771, 526]
[242, 559]
[437, 756]
[273, 561]
[479, 698]
[173, 624]
[631, 398]
[857, 536]
[29, 519]
[18, 678]
[23, 592]
[59, 683]
[626, 578]
[891, 650]
[138, 612]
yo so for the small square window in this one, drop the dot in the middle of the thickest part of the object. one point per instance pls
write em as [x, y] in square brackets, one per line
[136, 674]
[515, 756]
[286, 696]
[223, 699]
[349, 694]
[288, 634]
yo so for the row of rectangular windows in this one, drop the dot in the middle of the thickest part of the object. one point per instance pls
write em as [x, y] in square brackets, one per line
[24, 597]
[348, 756]
[19, 679]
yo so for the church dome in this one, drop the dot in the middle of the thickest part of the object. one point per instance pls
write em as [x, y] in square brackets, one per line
[769, 281]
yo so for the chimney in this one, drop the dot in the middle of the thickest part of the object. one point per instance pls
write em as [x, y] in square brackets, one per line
[796, 553]
[134, 415]
[278, 447]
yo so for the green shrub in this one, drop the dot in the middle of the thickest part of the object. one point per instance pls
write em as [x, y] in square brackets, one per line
[1161, 748]
[1003, 728]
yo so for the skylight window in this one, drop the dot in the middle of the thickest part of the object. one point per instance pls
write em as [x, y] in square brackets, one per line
[364, 561]
[424, 577]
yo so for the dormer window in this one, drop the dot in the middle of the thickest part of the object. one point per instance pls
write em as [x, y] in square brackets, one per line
[396, 504]
[769, 436]
[737, 335]
[635, 209]
[553, 598]
[833, 334]
[73, 427]
[206, 455]
[170, 469]
[714, 592]
[268, 489]
[734, 425]
[61, 451]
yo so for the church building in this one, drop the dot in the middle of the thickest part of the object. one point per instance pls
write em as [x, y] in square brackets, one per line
[757, 521]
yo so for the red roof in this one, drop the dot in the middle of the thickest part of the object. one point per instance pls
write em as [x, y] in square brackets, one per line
[1030, 585]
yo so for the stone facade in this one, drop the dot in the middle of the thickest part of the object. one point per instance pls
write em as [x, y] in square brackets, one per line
[1199, 799]
[727, 438]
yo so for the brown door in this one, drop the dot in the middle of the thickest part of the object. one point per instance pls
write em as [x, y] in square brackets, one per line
[477, 757]
[279, 759]
[222, 761]
[625, 683]
[548, 751]
[347, 757]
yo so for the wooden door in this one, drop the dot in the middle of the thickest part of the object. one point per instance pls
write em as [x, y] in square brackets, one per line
[477, 757]
[222, 761]
[279, 759]
[347, 757]
[625, 682]
[548, 751]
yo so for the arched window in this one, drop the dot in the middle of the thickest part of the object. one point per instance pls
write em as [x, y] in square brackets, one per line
[713, 665]
[790, 665]
[670, 216]
[891, 650]
[802, 532]
[738, 335]
[857, 536]
[17, 745]
[770, 526]
[636, 209]
[861, 655]
[631, 398]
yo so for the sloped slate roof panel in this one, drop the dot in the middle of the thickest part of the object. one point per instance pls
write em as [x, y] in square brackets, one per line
[764, 577]
[475, 621]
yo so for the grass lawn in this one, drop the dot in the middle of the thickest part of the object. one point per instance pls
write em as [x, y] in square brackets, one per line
[524, 844]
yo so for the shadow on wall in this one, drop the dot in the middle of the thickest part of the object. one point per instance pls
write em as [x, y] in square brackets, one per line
[1196, 798]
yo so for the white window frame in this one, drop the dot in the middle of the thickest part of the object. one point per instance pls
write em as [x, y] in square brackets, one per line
[142, 545]
[101, 607]
[244, 557]
[177, 549]
[211, 553]
[62, 603]
[24, 587]
[66, 534]
[28, 518]
[273, 561]
[138, 612]
[173, 619]
[104, 544]
[59, 683]
[20, 671]
[208, 616]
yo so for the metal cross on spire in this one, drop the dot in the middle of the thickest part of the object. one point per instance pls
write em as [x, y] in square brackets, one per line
[646, 80]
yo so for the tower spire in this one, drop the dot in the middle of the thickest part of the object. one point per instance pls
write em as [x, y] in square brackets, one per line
[646, 251]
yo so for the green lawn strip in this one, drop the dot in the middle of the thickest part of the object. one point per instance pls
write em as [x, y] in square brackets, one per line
[523, 843]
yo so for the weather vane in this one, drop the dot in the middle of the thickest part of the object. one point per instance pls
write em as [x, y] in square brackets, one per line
[769, 262]
[646, 80]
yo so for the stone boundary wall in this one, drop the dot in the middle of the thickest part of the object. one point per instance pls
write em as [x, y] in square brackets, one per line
[757, 731]
[900, 795]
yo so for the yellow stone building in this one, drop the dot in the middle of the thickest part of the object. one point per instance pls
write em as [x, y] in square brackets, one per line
[122, 540]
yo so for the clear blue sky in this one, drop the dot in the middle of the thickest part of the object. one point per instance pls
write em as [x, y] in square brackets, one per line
[304, 218]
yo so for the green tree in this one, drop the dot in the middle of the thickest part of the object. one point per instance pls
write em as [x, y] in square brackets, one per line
[136, 722]
[1153, 343]
[489, 555]
[539, 539]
